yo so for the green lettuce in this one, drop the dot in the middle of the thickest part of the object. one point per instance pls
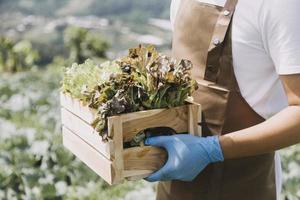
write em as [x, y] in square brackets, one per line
[142, 80]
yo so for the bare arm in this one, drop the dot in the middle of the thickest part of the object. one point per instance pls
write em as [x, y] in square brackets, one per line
[282, 130]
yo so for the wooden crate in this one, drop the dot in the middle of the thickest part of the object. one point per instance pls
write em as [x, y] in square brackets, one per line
[109, 159]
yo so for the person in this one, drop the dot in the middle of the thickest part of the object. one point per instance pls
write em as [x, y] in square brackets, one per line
[246, 57]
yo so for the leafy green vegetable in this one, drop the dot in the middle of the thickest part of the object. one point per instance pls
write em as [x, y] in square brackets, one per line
[83, 78]
[145, 79]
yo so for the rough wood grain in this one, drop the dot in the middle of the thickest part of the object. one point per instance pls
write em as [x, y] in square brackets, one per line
[140, 114]
[86, 133]
[194, 113]
[87, 154]
[110, 160]
[133, 175]
[175, 118]
[138, 175]
[144, 158]
[115, 123]
[76, 107]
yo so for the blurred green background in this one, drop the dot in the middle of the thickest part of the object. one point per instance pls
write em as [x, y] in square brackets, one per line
[37, 39]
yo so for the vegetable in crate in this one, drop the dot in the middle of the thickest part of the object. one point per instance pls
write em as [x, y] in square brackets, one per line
[145, 79]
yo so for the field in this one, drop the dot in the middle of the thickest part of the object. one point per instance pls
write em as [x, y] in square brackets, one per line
[34, 164]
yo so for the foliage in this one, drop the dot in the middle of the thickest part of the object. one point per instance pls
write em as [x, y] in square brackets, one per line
[86, 77]
[142, 80]
[291, 169]
[84, 44]
[16, 56]
[34, 164]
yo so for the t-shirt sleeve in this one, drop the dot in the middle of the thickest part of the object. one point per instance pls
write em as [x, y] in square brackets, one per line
[281, 34]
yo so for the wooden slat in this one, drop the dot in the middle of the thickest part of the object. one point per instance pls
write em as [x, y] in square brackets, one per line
[175, 118]
[87, 154]
[137, 175]
[194, 113]
[110, 160]
[87, 133]
[133, 175]
[115, 129]
[142, 161]
[76, 107]
[140, 114]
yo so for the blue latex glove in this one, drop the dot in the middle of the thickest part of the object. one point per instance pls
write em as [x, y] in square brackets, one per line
[188, 155]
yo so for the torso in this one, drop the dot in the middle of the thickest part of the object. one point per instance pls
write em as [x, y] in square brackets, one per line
[203, 34]
[253, 67]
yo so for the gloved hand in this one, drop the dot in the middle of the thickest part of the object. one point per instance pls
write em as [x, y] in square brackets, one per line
[188, 155]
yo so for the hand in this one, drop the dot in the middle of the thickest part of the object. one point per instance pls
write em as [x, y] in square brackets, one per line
[188, 155]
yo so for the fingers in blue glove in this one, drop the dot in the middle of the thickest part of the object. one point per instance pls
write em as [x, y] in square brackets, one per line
[156, 176]
[159, 141]
[187, 156]
[161, 174]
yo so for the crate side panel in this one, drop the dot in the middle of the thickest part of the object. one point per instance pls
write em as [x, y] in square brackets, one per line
[140, 114]
[86, 132]
[176, 118]
[143, 160]
[88, 155]
[115, 129]
[74, 106]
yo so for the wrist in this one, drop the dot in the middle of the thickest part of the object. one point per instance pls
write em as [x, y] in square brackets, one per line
[215, 151]
[225, 143]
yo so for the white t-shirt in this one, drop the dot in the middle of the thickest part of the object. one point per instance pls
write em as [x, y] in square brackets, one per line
[265, 44]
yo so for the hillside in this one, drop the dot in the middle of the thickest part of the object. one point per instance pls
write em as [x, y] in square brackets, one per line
[134, 10]
[123, 23]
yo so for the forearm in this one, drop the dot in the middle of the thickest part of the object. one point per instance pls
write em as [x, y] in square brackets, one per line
[280, 131]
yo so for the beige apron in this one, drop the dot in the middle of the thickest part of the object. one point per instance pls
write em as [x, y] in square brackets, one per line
[202, 34]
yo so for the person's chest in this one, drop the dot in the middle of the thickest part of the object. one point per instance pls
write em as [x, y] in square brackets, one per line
[249, 48]
[253, 66]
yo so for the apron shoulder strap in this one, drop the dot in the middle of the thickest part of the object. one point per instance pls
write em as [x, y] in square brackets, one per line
[220, 31]
[223, 23]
